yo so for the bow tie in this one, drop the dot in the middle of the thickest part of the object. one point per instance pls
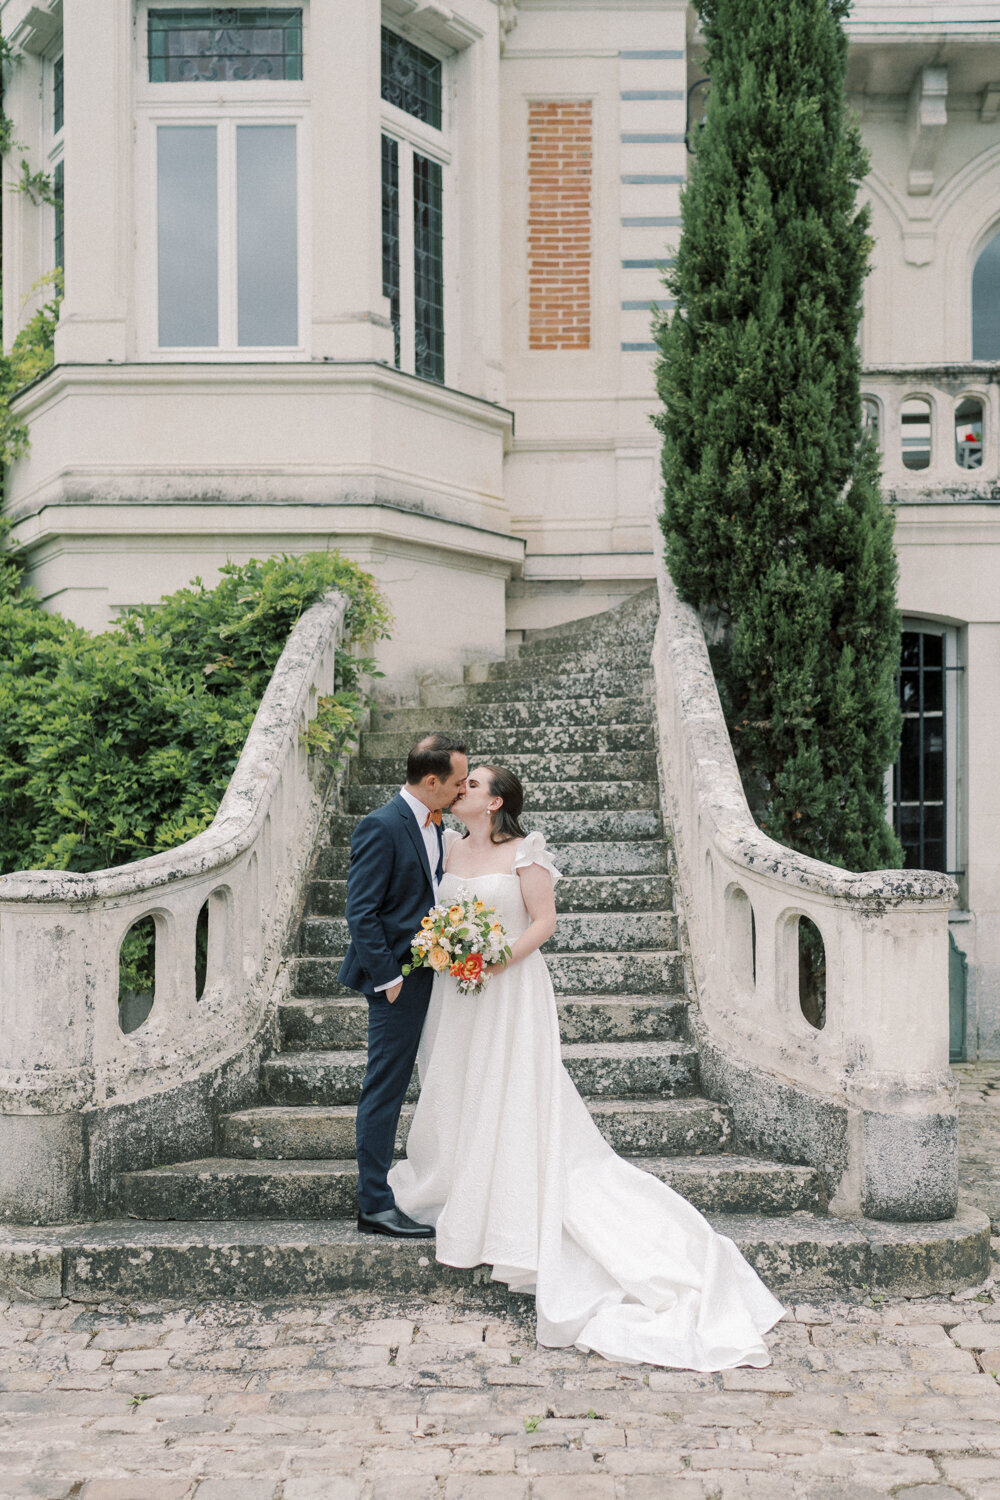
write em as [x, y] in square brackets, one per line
[433, 817]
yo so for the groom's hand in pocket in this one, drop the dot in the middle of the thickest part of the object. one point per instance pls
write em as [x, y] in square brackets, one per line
[392, 993]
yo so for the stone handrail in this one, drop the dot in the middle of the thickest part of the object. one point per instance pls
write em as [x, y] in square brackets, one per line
[868, 1098]
[80, 1099]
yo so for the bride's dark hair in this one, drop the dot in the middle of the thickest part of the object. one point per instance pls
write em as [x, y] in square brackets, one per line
[504, 783]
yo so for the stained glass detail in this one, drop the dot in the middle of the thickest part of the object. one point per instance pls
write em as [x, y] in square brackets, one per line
[390, 235]
[428, 269]
[225, 43]
[919, 780]
[57, 96]
[59, 237]
[411, 79]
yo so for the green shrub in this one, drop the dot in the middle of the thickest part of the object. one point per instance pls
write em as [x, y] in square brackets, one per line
[774, 522]
[30, 355]
[119, 745]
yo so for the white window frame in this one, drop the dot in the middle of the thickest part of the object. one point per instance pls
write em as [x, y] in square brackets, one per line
[411, 135]
[224, 105]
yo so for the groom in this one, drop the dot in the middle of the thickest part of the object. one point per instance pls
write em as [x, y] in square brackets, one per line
[396, 861]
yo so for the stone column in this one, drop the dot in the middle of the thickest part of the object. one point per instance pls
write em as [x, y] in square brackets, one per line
[99, 106]
[350, 316]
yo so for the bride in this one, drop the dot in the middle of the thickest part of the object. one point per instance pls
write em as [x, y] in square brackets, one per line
[505, 1159]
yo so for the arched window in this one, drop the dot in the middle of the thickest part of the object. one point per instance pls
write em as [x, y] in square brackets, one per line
[986, 302]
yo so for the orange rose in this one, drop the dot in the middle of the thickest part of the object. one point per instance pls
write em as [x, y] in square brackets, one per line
[438, 959]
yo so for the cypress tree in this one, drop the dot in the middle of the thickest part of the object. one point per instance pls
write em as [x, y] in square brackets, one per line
[774, 522]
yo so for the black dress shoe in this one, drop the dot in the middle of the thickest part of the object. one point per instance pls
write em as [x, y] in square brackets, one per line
[393, 1221]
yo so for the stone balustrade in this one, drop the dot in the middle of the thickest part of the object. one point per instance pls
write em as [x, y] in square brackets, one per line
[937, 428]
[81, 1098]
[855, 1082]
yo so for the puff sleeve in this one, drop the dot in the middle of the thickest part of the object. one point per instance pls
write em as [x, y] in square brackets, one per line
[534, 852]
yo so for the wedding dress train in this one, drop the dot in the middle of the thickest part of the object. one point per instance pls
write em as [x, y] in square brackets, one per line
[504, 1158]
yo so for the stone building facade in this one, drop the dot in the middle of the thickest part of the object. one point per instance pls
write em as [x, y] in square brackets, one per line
[381, 276]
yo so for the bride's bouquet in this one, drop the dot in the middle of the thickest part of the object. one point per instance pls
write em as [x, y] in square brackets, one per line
[462, 937]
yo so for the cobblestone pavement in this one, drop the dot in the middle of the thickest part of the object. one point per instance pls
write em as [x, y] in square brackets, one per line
[353, 1399]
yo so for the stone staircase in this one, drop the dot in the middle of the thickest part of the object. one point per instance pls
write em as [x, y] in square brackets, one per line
[571, 713]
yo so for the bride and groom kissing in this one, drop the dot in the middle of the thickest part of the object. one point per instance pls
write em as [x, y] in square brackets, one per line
[504, 1162]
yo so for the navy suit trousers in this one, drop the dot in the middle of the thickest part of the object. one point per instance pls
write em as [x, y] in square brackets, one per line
[393, 1036]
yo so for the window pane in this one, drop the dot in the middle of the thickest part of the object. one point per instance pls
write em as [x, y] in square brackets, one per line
[986, 303]
[390, 235]
[411, 79]
[57, 96]
[869, 417]
[920, 777]
[59, 193]
[187, 236]
[428, 269]
[267, 235]
[231, 44]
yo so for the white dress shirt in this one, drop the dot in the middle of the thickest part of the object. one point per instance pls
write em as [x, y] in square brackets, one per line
[429, 834]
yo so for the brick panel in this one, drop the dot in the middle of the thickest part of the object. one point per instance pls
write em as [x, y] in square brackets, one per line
[560, 139]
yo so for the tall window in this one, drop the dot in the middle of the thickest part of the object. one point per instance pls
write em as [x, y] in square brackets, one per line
[223, 104]
[58, 169]
[986, 302]
[414, 156]
[924, 777]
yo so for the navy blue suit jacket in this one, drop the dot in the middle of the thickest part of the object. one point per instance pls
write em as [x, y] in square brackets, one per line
[388, 891]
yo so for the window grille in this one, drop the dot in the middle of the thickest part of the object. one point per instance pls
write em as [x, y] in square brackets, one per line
[229, 44]
[920, 778]
[390, 235]
[411, 79]
[428, 269]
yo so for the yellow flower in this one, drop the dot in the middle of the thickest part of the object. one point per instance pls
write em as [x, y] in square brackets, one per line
[426, 921]
[496, 927]
[438, 959]
[455, 913]
[479, 908]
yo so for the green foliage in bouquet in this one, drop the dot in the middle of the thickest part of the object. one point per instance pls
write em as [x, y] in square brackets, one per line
[774, 523]
[119, 745]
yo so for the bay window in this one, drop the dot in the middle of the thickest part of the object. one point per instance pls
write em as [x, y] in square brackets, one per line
[223, 115]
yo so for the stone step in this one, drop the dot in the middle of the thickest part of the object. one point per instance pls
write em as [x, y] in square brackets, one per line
[469, 718]
[594, 893]
[320, 1025]
[125, 1259]
[569, 765]
[577, 932]
[499, 743]
[634, 1127]
[225, 1188]
[545, 796]
[658, 1069]
[530, 661]
[652, 973]
[543, 686]
[592, 858]
[558, 827]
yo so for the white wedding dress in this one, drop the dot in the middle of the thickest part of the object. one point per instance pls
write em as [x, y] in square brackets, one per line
[505, 1159]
